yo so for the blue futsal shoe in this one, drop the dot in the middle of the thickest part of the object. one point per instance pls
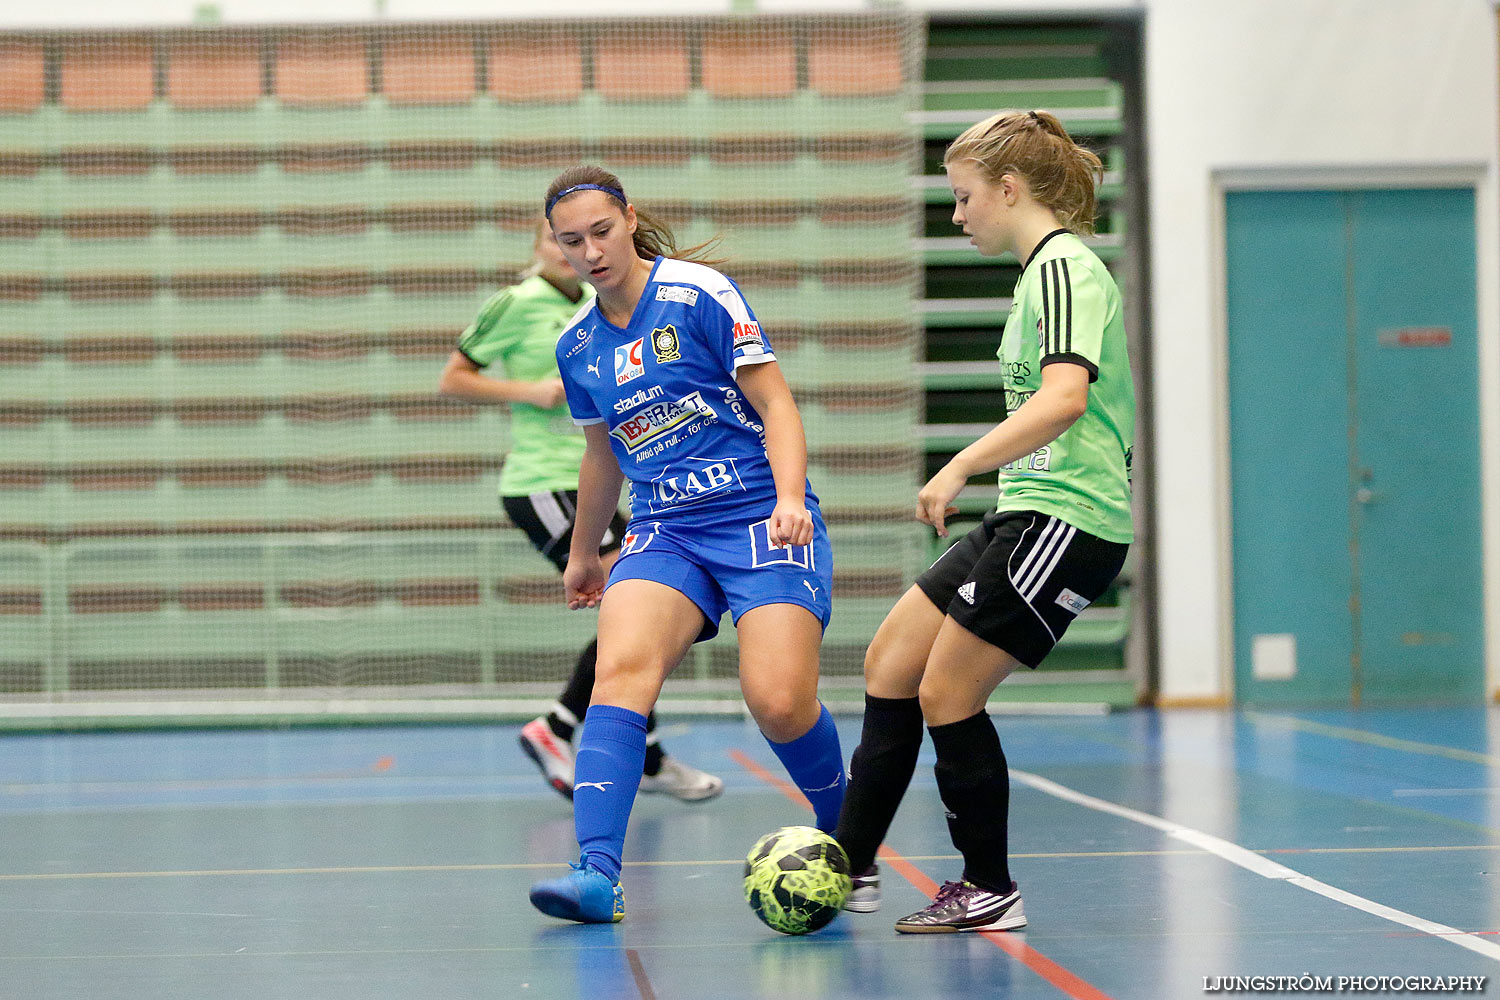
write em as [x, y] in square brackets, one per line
[584, 894]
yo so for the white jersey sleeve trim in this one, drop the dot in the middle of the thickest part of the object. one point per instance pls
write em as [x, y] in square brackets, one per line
[585, 423]
[752, 359]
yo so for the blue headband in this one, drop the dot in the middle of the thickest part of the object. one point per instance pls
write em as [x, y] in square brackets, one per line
[614, 193]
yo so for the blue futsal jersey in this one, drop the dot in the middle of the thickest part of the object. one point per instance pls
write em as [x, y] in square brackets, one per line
[685, 436]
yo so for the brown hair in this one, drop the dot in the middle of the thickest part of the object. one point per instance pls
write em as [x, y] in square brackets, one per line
[652, 237]
[1034, 145]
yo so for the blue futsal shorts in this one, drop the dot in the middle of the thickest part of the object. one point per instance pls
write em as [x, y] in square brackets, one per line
[730, 565]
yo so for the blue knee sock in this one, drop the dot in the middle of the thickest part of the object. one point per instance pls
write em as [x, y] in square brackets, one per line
[606, 776]
[816, 764]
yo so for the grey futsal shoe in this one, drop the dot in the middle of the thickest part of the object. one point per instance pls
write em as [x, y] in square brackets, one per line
[865, 896]
[963, 906]
[683, 781]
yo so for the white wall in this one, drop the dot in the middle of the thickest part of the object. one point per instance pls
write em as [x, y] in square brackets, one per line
[1236, 84]
[1231, 85]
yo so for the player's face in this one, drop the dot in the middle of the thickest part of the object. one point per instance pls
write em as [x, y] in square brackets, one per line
[594, 236]
[979, 208]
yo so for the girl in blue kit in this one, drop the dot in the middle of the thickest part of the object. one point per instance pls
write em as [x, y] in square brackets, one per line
[678, 392]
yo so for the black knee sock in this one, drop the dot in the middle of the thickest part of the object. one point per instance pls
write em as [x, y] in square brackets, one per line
[879, 774]
[575, 697]
[654, 752]
[975, 786]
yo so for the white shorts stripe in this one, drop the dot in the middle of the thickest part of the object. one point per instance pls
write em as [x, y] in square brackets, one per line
[1038, 555]
[1060, 546]
[1013, 577]
[550, 513]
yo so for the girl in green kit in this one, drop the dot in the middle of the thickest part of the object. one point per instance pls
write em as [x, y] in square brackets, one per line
[1003, 595]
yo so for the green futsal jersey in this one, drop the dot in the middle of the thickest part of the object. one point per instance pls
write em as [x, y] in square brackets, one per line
[1067, 308]
[518, 328]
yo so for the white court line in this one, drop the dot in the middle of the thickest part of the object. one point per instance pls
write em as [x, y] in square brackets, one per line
[1261, 866]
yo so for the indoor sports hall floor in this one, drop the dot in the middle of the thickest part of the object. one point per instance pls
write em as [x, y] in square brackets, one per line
[1156, 853]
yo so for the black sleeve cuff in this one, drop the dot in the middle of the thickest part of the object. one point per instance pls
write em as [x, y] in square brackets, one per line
[1074, 359]
[476, 364]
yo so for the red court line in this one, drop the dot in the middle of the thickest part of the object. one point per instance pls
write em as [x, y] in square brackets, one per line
[1007, 941]
[642, 982]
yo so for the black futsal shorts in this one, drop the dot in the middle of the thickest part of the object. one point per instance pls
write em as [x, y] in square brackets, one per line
[1019, 579]
[547, 519]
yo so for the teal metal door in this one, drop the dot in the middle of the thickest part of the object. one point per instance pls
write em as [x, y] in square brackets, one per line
[1354, 446]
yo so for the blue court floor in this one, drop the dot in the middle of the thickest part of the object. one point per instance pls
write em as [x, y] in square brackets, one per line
[1159, 854]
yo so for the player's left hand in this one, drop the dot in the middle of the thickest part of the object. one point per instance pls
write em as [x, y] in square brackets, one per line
[791, 524]
[935, 500]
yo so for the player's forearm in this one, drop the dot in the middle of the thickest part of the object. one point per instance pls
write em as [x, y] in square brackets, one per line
[786, 449]
[599, 480]
[472, 387]
[1037, 423]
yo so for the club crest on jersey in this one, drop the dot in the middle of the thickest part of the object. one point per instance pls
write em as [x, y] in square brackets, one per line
[765, 552]
[693, 480]
[664, 344]
[628, 361]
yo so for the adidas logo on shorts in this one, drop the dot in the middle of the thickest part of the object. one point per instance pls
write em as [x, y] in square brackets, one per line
[967, 592]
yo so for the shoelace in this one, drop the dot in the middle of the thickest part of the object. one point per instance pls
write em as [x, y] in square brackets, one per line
[950, 890]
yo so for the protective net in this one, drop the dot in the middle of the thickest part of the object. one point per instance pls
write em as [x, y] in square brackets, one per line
[233, 263]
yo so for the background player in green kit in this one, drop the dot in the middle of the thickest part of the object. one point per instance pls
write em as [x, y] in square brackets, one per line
[1004, 594]
[518, 328]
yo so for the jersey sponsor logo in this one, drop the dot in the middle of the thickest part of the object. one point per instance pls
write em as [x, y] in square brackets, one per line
[1071, 601]
[693, 480]
[1038, 461]
[595, 368]
[658, 419]
[635, 541]
[747, 338]
[641, 397]
[585, 338]
[967, 592]
[732, 399]
[664, 344]
[628, 361]
[766, 552]
[677, 293]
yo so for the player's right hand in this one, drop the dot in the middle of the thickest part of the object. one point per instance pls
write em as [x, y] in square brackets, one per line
[583, 582]
[935, 501]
